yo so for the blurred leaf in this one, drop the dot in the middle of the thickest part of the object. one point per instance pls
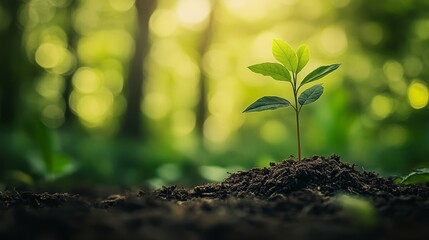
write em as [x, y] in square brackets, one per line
[303, 55]
[267, 103]
[47, 162]
[19, 177]
[284, 53]
[319, 73]
[42, 138]
[37, 164]
[360, 209]
[310, 95]
[418, 176]
[274, 70]
[62, 166]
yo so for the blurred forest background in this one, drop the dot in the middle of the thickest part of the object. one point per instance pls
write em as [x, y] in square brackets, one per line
[136, 92]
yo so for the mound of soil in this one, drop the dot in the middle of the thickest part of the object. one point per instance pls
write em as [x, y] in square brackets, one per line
[328, 176]
[316, 198]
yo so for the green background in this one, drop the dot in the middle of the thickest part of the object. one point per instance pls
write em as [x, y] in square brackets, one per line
[151, 92]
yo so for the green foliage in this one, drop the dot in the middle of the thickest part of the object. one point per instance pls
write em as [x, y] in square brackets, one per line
[291, 64]
[361, 31]
[416, 177]
[47, 161]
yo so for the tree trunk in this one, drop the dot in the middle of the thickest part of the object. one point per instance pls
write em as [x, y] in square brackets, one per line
[70, 118]
[132, 124]
[15, 68]
[201, 109]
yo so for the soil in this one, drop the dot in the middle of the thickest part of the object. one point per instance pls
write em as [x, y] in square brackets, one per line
[316, 198]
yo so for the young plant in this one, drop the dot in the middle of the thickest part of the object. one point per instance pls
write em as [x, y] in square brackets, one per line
[291, 64]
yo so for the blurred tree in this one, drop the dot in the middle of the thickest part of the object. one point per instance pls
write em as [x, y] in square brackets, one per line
[397, 20]
[132, 123]
[15, 67]
[16, 107]
[389, 32]
[384, 51]
[72, 36]
[205, 41]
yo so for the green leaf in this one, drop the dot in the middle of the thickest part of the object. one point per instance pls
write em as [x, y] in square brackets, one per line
[303, 55]
[319, 73]
[274, 70]
[63, 166]
[418, 176]
[267, 103]
[43, 139]
[284, 53]
[310, 95]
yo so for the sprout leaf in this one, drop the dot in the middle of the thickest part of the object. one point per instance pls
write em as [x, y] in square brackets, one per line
[284, 53]
[310, 95]
[303, 55]
[274, 70]
[267, 103]
[319, 73]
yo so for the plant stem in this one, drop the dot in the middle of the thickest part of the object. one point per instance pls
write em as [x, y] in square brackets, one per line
[297, 110]
[298, 134]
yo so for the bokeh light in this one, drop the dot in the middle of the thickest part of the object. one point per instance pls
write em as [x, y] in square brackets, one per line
[333, 41]
[83, 59]
[248, 10]
[104, 44]
[93, 109]
[381, 106]
[418, 94]
[169, 172]
[53, 115]
[156, 105]
[216, 130]
[40, 11]
[50, 86]
[393, 70]
[213, 173]
[274, 132]
[191, 12]
[121, 5]
[87, 80]
[163, 22]
[183, 122]
[49, 55]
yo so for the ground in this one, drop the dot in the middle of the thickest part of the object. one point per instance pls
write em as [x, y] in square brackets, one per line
[316, 198]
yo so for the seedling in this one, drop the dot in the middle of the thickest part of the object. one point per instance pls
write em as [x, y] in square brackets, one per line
[291, 64]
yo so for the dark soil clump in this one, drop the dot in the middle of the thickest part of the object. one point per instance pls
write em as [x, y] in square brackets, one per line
[288, 200]
[328, 176]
